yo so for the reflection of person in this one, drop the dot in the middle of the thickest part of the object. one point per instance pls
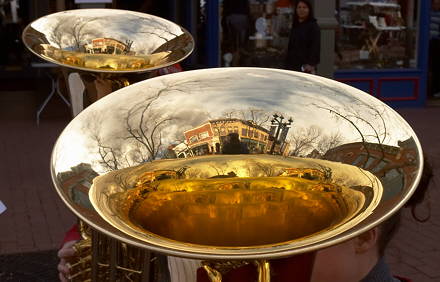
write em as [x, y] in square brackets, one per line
[236, 16]
[303, 52]
[232, 145]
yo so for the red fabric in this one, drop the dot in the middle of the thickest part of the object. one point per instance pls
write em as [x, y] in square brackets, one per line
[283, 3]
[72, 234]
[282, 270]
[403, 279]
[170, 69]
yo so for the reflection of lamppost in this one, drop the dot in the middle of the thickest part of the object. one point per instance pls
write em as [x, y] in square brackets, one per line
[279, 126]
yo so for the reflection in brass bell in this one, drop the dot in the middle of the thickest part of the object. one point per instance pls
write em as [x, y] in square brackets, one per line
[240, 212]
[188, 203]
[224, 148]
[108, 40]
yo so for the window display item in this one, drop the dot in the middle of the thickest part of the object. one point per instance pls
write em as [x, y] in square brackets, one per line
[376, 32]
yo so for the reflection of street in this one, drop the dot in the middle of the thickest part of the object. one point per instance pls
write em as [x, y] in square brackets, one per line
[214, 137]
[395, 166]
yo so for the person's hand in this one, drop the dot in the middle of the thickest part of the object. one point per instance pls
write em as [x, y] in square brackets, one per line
[65, 254]
[309, 69]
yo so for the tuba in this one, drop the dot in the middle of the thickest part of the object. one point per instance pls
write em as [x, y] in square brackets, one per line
[230, 172]
[117, 47]
[101, 50]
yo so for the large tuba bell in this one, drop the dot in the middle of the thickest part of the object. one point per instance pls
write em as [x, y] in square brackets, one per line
[233, 166]
[116, 46]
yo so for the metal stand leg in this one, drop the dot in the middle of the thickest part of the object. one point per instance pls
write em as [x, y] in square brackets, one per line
[61, 95]
[55, 88]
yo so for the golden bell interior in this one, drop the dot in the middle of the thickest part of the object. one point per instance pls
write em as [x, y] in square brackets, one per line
[240, 212]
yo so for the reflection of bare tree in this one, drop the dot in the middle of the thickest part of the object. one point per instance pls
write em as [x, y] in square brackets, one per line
[78, 29]
[367, 120]
[129, 43]
[142, 136]
[327, 142]
[256, 116]
[57, 34]
[157, 28]
[144, 125]
[109, 155]
[304, 140]
[73, 32]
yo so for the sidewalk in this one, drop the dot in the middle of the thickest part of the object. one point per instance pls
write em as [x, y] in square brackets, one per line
[415, 251]
[36, 218]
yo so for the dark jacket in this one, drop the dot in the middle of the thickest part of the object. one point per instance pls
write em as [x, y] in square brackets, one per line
[381, 273]
[304, 45]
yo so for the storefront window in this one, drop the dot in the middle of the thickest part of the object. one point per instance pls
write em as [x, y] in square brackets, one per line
[254, 32]
[376, 34]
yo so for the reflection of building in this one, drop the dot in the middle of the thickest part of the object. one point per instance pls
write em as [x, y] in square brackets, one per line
[307, 173]
[76, 183]
[106, 46]
[209, 138]
[395, 166]
[180, 150]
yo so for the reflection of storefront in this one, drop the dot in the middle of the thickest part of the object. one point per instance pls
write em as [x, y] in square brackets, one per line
[107, 46]
[260, 39]
[381, 45]
[382, 48]
[212, 137]
[209, 138]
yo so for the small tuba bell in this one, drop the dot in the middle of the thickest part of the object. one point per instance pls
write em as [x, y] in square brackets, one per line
[106, 46]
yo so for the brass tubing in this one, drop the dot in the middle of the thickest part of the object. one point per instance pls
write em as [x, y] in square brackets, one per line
[213, 274]
[263, 268]
[113, 259]
[146, 266]
[95, 257]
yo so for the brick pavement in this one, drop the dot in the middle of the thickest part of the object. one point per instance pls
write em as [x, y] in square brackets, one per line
[415, 250]
[36, 218]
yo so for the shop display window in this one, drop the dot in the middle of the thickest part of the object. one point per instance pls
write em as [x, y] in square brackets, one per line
[260, 38]
[374, 34]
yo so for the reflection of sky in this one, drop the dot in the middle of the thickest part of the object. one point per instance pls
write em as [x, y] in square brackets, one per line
[193, 97]
[117, 24]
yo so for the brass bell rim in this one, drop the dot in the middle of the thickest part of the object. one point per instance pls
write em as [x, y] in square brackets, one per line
[94, 70]
[199, 251]
[226, 254]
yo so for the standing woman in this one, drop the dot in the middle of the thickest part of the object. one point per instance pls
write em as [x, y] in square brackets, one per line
[304, 40]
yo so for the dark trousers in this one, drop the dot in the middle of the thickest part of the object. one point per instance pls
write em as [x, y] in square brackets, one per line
[434, 66]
